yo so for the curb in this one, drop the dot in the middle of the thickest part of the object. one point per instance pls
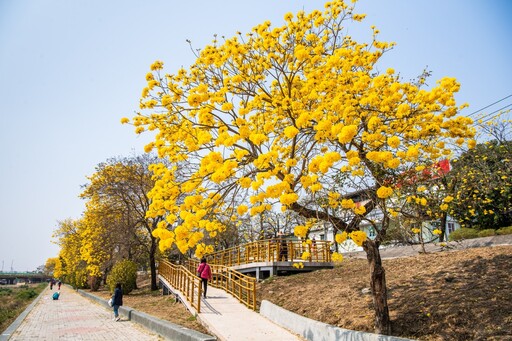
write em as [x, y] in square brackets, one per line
[6, 334]
[161, 327]
[313, 330]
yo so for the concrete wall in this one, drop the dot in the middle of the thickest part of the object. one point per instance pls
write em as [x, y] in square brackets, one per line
[164, 328]
[313, 330]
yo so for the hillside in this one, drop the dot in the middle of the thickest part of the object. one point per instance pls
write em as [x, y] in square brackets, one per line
[450, 295]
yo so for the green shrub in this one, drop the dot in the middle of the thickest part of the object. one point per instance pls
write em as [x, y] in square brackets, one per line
[124, 272]
[463, 233]
[504, 230]
[5, 291]
[487, 233]
[26, 294]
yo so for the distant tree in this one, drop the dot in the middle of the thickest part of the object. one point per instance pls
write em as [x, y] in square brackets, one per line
[483, 191]
[70, 267]
[122, 186]
[49, 267]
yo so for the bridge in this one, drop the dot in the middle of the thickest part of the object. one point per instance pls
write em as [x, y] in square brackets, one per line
[26, 277]
[236, 270]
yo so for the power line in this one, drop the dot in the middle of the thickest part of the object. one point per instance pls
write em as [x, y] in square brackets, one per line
[486, 117]
[490, 105]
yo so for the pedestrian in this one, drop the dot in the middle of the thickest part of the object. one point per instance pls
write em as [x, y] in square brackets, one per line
[117, 301]
[205, 273]
[52, 283]
[59, 284]
[283, 248]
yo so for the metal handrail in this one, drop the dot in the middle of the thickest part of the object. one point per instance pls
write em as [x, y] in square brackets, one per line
[241, 286]
[183, 280]
[272, 250]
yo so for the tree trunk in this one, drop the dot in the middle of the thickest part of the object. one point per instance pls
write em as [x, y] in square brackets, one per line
[444, 218]
[378, 286]
[152, 263]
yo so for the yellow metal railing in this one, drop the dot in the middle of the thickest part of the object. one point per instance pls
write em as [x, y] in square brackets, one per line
[183, 280]
[272, 250]
[241, 286]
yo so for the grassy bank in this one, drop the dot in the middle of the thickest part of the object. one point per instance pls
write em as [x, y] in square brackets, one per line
[14, 299]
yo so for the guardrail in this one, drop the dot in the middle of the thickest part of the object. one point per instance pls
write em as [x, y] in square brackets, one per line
[183, 280]
[241, 286]
[272, 250]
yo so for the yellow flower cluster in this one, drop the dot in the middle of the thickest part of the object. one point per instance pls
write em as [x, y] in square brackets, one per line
[337, 257]
[358, 237]
[238, 123]
[384, 192]
[300, 231]
[306, 255]
[341, 237]
[298, 265]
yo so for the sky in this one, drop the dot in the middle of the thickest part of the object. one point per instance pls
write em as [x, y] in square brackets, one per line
[70, 70]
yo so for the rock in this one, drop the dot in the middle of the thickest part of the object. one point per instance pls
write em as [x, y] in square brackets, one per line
[449, 278]
[366, 291]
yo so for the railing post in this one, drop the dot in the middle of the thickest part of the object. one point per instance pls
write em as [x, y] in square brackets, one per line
[268, 258]
[199, 293]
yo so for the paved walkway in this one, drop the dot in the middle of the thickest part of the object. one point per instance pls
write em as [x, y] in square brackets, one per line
[73, 317]
[229, 320]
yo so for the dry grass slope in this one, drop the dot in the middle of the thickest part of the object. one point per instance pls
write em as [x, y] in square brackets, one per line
[457, 295]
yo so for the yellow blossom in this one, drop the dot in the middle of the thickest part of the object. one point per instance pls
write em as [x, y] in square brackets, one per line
[157, 65]
[298, 265]
[337, 257]
[359, 210]
[384, 192]
[347, 133]
[347, 203]
[448, 199]
[359, 237]
[393, 141]
[290, 132]
[242, 209]
[341, 237]
[289, 198]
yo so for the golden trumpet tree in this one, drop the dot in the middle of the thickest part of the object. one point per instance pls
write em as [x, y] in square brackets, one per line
[103, 239]
[50, 266]
[117, 204]
[70, 267]
[295, 117]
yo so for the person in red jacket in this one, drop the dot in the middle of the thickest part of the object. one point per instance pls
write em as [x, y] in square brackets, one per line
[205, 273]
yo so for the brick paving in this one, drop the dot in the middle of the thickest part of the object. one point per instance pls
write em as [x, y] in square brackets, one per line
[73, 317]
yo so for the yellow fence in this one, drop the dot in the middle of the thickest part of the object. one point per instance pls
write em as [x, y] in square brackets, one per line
[241, 286]
[272, 250]
[183, 280]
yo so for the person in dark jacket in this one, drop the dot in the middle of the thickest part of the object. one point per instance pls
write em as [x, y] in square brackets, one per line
[205, 273]
[117, 301]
